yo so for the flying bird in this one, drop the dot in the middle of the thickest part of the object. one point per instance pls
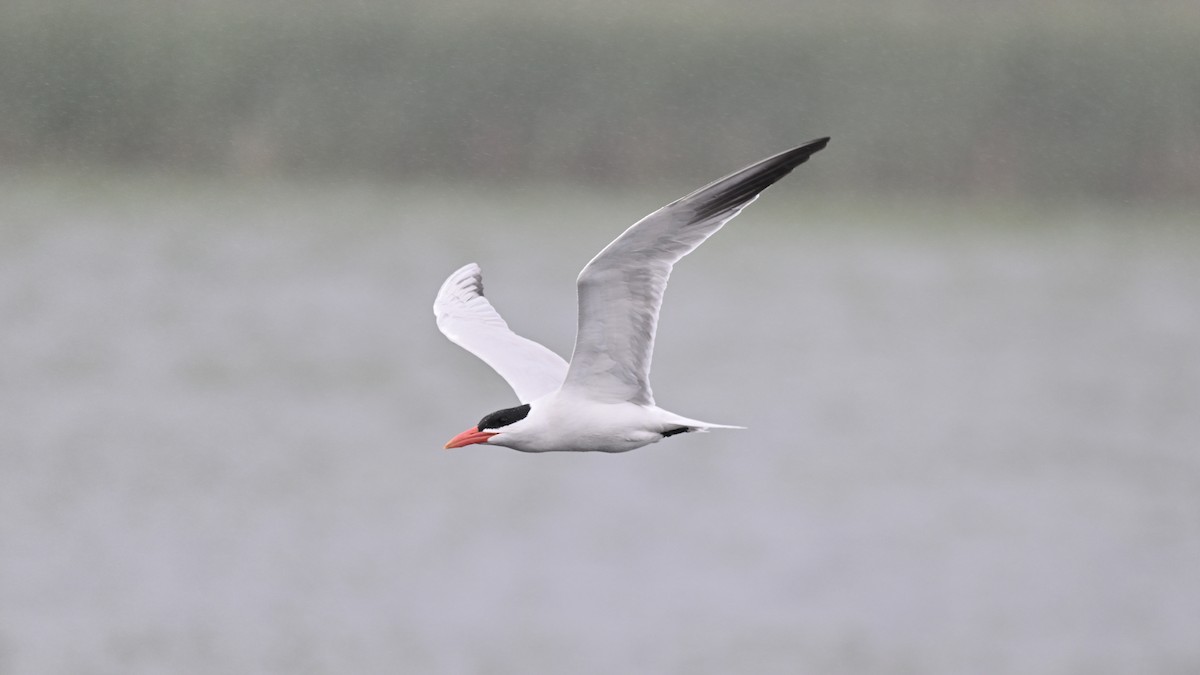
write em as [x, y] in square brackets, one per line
[601, 400]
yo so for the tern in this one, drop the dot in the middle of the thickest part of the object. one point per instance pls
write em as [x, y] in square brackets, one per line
[600, 401]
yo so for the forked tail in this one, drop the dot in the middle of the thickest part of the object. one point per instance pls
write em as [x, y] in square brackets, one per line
[687, 424]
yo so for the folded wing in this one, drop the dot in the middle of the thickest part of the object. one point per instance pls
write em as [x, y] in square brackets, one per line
[470, 321]
[621, 289]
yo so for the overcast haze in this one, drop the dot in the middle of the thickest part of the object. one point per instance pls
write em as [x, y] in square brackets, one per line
[964, 338]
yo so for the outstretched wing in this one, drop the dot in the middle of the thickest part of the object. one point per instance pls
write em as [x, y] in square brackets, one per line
[470, 321]
[621, 289]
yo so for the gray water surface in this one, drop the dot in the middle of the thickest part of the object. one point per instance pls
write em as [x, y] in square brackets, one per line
[972, 446]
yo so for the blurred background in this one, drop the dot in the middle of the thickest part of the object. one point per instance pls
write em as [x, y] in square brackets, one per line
[965, 338]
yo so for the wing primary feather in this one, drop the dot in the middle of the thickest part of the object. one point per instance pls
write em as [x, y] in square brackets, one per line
[761, 176]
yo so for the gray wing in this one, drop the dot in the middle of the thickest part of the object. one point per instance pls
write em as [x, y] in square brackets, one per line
[470, 321]
[621, 289]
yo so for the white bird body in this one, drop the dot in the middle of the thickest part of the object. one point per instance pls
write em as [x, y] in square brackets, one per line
[600, 401]
[572, 423]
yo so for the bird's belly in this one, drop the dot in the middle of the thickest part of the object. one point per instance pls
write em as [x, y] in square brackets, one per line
[602, 428]
[606, 443]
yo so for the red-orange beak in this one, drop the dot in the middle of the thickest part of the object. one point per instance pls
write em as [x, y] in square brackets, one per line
[469, 437]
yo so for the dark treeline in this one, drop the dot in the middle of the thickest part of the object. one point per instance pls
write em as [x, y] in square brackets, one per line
[940, 98]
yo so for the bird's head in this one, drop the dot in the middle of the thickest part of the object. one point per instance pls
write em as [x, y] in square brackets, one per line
[492, 428]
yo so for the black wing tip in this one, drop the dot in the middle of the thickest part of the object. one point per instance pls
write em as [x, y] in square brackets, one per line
[800, 154]
[737, 189]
